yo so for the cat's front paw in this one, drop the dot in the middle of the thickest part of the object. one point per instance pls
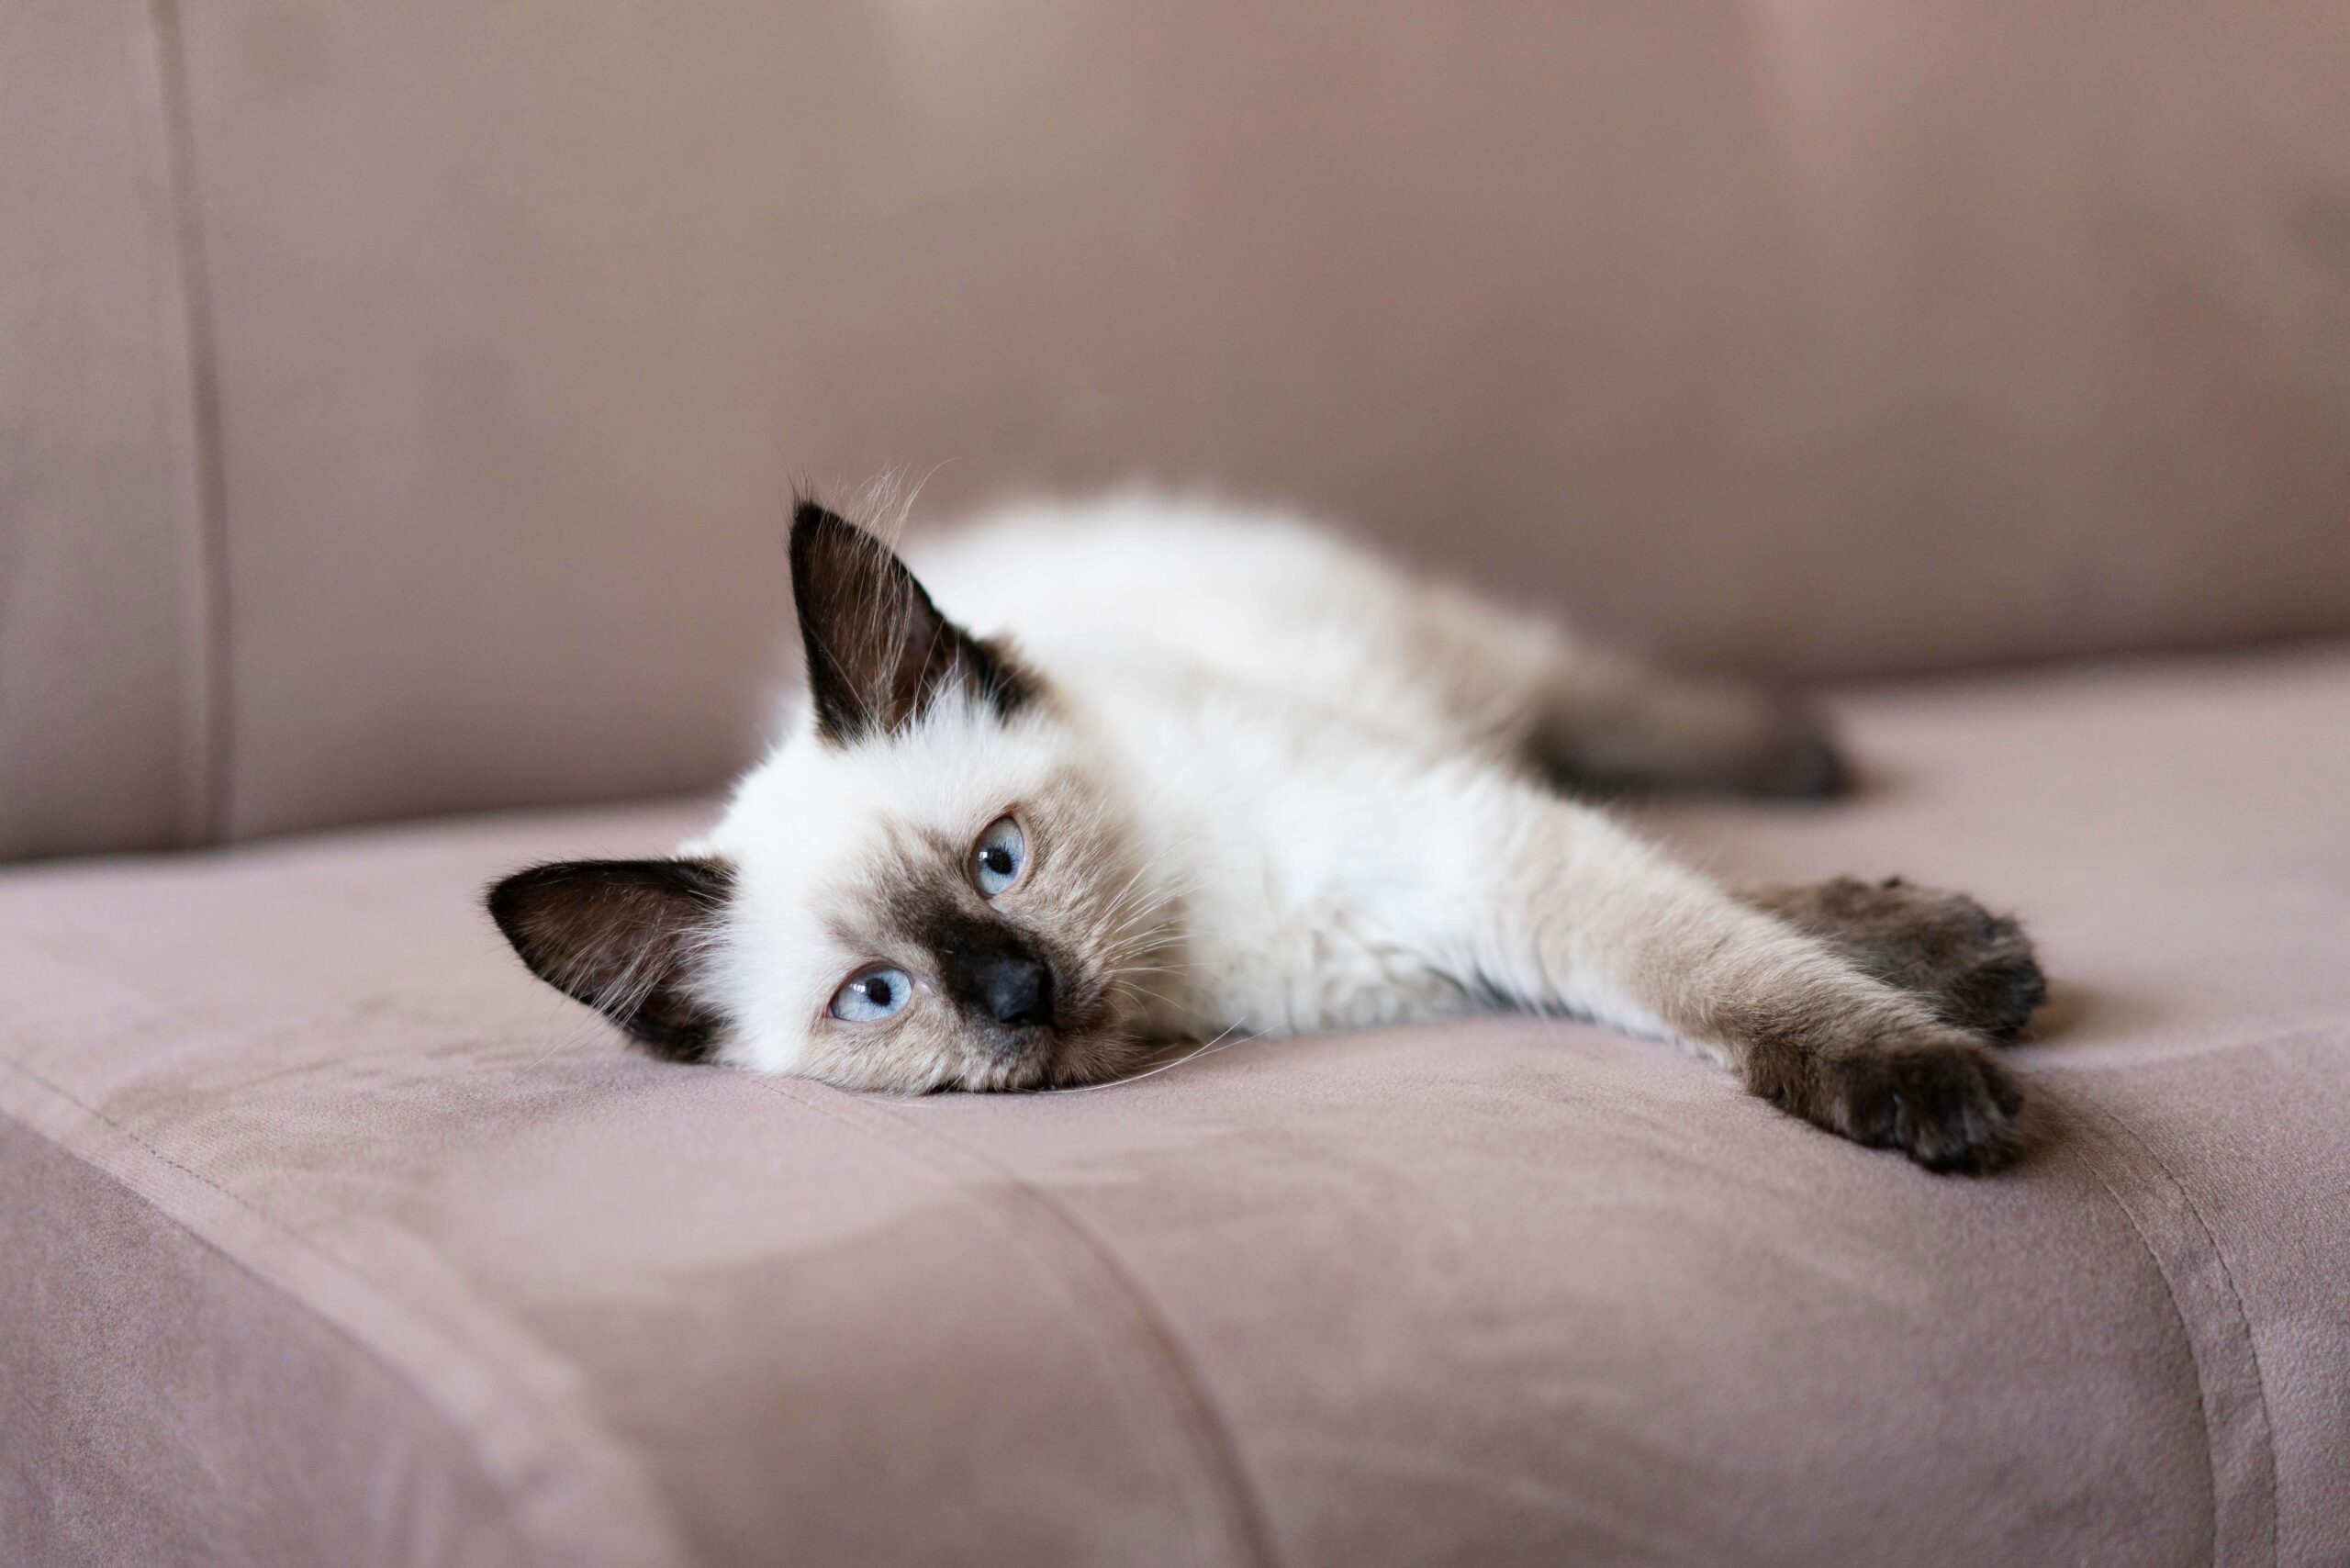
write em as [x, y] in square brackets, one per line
[1946, 1102]
[1977, 969]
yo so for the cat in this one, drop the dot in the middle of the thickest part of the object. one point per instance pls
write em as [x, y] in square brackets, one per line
[1179, 770]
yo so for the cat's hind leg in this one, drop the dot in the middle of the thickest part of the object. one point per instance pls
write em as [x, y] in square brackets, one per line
[1609, 724]
[1976, 969]
[1595, 722]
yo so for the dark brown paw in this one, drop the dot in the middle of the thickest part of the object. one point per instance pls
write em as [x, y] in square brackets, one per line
[1977, 968]
[1949, 1105]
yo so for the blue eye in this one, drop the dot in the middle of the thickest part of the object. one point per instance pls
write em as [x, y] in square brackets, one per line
[999, 858]
[872, 994]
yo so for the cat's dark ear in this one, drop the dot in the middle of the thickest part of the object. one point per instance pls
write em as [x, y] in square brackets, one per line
[625, 937]
[878, 651]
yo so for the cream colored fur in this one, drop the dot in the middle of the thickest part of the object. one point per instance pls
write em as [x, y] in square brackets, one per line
[1313, 787]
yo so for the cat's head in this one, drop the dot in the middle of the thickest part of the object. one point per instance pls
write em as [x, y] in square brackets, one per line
[930, 885]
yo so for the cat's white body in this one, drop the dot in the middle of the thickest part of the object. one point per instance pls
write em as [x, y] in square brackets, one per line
[1323, 765]
[1274, 705]
[1145, 769]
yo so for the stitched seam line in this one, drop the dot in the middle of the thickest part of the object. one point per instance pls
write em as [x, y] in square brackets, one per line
[2178, 1316]
[2115, 1126]
[1211, 1436]
[2235, 1304]
[501, 1477]
[1213, 1432]
[204, 816]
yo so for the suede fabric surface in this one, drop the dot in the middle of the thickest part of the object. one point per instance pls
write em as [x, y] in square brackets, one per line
[333, 1236]
[105, 636]
[404, 398]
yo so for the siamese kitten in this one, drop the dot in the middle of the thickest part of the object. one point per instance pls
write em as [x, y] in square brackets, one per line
[1149, 770]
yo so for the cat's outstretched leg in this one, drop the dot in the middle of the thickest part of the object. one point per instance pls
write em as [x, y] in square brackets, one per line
[1571, 912]
[1609, 724]
[1976, 969]
[1598, 721]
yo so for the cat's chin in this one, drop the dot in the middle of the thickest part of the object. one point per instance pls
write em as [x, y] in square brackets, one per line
[1064, 1063]
[1007, 1077]
[1059, 1064]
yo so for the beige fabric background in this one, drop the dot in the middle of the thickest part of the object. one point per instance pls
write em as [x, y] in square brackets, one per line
[401, 400]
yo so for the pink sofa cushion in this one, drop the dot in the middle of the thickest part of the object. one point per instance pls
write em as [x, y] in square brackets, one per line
[333, 1236]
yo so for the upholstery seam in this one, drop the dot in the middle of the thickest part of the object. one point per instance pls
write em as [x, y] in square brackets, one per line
[2186, 1330]
[204, 799]
[1211, 1433]
[1212, 1430]
[2235, 1304]
[503, 1479]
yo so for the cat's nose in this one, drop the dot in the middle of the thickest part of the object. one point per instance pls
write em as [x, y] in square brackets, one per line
[1017, 989]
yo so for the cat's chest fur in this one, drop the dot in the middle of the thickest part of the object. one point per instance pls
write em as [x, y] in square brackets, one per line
[1273, 828]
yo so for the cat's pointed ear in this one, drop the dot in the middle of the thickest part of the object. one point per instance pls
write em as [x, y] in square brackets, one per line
[624, 936]
[878, 651]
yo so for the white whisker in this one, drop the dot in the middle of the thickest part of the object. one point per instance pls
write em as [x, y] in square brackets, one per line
[1221, 1043]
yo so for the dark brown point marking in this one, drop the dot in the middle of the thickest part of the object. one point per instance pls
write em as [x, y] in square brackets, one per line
[878, 651]
[622, 936]
[1977, 968]
[1949, 1105]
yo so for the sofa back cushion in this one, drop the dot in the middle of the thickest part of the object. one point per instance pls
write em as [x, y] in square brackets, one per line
[407, 398]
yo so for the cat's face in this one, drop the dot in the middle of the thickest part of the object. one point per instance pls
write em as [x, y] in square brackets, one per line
[930, 887]
[953, 905]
